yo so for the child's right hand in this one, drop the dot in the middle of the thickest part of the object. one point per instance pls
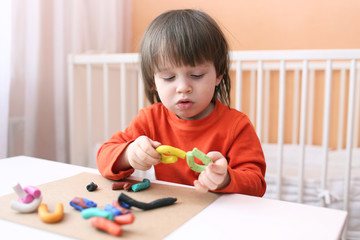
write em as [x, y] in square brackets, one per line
[141, 153]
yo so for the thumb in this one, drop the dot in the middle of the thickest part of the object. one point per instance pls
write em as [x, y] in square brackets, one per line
[219, 164]
[155, 144]
[214, 155]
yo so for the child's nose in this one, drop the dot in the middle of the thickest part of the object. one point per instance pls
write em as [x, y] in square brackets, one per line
[183, 86]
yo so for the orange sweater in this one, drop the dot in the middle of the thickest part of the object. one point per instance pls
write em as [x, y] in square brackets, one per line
[225, 130]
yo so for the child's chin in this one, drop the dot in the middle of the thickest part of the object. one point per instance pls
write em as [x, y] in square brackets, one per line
[186, 117]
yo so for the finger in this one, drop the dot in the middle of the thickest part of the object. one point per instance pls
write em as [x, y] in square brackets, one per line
[138, 163]
[138, 159]
[145, 162]
[146, 153]
[155, 144]
[219, 164]
[141, 166]
[199, 187]
[215, 178]
[148, 146]
[218, 167]
[214, 155]
[206, 181]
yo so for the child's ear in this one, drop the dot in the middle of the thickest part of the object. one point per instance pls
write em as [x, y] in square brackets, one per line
[218, 79]
[154, 87]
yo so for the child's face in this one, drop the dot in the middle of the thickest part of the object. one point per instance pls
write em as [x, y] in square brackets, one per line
[187, 91]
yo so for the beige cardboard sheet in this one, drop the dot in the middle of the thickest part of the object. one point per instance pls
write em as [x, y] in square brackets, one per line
[151, 224]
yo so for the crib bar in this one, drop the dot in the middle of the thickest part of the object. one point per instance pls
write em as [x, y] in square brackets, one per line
[281, 121]
[140, 92]
[349, 136]
[349, 133]
[252, 96]
[89, 109]
[357, 110]
[296, 106]
[106, 101]
[238, 89]
[259, 100]
[341, 109]
[122, 96]
[310, 118]
[71, 107]
[266, 106]
[326, 124]
[304, 93]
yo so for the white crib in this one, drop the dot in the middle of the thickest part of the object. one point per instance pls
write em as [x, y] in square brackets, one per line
[304, 104]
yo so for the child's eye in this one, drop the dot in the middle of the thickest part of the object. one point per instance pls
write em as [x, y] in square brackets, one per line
[168, 78]
[197, 75]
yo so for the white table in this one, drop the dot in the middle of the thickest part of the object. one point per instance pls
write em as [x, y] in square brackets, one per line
[231, 216]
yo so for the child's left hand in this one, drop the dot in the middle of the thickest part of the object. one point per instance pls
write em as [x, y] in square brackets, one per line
[215, 176]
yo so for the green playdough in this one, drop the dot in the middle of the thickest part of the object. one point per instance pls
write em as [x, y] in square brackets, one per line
[201, 156]
[96, 212]
[141, 186]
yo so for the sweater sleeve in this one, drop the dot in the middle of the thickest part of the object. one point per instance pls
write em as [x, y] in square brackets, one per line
[111, 150]
[109, 153]
[246, 162]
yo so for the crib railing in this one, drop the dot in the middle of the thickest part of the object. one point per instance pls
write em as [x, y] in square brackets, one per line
[306, 62]
[304, 97]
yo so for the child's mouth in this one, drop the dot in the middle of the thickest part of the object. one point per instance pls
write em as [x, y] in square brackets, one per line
[184, 104]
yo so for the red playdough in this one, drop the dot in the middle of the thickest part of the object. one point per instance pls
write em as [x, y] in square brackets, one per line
[121, 185]
[106, 225]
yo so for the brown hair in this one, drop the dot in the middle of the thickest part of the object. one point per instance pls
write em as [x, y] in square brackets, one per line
[184, 37]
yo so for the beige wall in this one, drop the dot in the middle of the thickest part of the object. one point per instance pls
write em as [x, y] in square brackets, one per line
[271, 25]
[268, 24]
